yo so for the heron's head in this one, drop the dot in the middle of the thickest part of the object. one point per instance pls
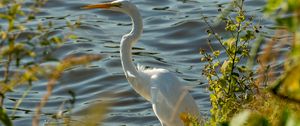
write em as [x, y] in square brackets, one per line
[117, 5]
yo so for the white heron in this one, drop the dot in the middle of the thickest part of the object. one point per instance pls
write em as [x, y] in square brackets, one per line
[169, 98]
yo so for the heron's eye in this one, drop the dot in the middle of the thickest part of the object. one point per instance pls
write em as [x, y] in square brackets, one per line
[116, 4]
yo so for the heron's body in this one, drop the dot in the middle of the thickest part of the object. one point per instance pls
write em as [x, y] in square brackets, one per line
[162, 88]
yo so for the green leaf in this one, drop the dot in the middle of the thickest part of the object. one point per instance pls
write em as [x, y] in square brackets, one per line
[216, 64]
[291, 22]
[289, 118]
[6, 17]
[288, 85]
[225, 67]
[4, 118]
[293, 5]
[240, 19]
[56, 40]
[272, 5]
[72, 36]
[216, 53]
[230, 43]
[235, 74]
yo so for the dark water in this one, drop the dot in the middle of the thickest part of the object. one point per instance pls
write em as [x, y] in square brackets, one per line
[173, 35]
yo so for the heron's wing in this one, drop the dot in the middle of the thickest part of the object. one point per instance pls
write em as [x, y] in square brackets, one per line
[170, 98]
[160, 106]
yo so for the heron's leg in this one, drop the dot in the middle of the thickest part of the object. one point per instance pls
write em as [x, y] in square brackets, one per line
[163, 124]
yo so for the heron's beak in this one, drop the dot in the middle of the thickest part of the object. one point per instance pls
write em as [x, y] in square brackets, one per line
[102, 5]
[95, 6]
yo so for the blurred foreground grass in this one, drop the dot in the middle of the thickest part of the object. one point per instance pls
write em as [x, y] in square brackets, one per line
[23, 50]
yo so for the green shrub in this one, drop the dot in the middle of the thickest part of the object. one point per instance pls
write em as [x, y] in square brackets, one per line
[231, 82]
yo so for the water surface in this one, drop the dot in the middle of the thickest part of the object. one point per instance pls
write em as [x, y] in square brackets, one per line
[173, 34]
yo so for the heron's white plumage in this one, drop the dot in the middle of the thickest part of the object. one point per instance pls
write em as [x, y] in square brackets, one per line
[170, 99]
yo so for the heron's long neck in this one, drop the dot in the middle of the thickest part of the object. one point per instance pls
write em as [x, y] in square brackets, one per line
[127, 42]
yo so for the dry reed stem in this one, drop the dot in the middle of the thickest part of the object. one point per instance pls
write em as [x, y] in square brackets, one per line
[270, 57]
[66, 63]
